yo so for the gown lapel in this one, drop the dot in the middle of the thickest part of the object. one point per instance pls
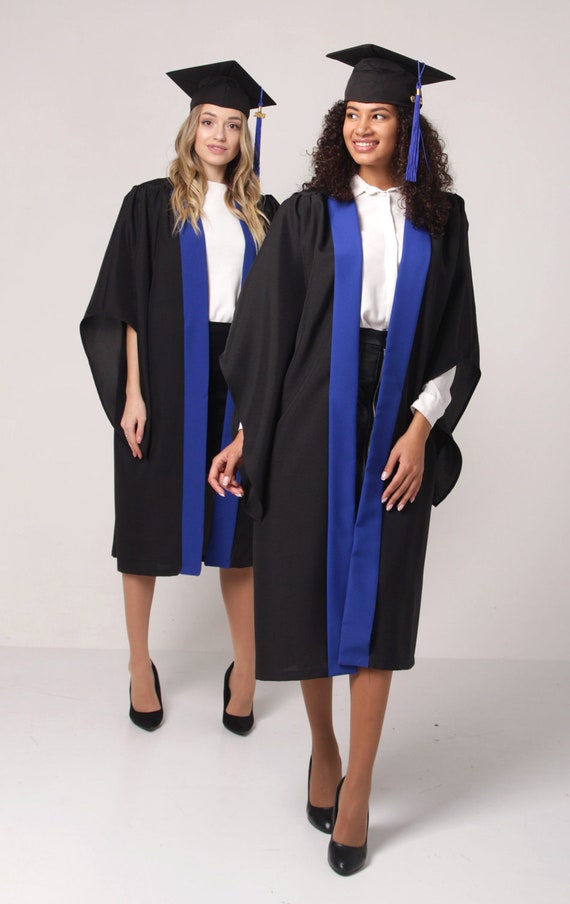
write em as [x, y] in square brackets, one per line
[354, 539]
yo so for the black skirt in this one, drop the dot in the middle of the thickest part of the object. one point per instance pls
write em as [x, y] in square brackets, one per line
[217, 393]
[371, 358]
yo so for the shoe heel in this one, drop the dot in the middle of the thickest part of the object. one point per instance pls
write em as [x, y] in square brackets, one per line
[319, 817]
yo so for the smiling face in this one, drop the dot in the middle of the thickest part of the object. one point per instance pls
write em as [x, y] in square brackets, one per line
[217, 140]
[370, 132]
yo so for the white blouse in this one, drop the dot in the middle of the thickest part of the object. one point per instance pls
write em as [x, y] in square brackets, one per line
[225, 246]
[382, 218]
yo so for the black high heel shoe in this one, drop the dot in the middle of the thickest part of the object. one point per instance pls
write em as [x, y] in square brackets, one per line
[319, 817]
[241, 725]
[344, 858]
[148, 721]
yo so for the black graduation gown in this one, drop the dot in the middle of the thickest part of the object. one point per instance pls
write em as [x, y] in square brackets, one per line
[277, 365]
[140, 283]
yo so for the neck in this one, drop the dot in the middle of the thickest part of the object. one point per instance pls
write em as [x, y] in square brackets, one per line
[379, 178]
[214, 173]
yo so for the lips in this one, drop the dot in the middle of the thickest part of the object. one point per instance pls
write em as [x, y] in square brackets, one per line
[216, 149]
[365, 145]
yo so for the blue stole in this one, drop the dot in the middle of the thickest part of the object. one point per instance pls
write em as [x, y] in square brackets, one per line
[354, 536]
[196, 380]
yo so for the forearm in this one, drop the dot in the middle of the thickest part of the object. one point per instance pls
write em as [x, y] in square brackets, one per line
[134, 416]
[133, 387]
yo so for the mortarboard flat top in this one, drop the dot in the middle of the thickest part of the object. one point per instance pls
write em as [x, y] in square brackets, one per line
[384, 76]
[225, 84]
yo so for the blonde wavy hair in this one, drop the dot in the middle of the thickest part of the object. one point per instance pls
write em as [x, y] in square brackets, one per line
[190, 184]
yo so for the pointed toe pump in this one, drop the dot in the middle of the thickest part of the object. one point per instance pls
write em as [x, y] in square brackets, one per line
[148, 721]
[344, 858]
[240, 725]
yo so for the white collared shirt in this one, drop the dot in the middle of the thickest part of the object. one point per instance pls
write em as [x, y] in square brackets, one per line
[381, 215]
[225, 245]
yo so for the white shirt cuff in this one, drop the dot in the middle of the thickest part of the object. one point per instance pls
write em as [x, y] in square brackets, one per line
[435, 396]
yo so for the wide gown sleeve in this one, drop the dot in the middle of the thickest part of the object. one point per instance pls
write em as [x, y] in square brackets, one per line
[120, 297]
[457, 346]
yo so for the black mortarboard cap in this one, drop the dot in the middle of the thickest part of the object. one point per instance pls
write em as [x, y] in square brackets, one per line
[383, 76]
[225, 84]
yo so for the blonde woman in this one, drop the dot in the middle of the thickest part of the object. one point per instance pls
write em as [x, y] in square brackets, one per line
[153, 332]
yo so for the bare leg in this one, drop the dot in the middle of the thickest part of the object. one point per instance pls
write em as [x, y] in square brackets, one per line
[138, 590]
[369, 689]
[326, 767]
[237, 591]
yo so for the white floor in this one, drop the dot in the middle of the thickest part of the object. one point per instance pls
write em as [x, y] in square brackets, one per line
[471, 799]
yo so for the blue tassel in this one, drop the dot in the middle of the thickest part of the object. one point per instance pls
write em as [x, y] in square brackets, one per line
[416, 138]
[257, 144]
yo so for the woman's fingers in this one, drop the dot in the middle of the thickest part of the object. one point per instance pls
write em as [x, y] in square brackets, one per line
[406, 494]
[130, 436]
[229, 478]
[391, 463]
[404, 491]
[407, 457]
[394, 490]
[133, 424]
[404, 485]
[216, 473]
[139, 432]
[222, 475]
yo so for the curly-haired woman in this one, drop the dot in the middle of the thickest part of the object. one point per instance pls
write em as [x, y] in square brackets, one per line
[153, 332]
[358, 325]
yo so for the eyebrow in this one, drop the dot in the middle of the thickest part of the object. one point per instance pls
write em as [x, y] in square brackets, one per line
[373, 110]
[215, 116]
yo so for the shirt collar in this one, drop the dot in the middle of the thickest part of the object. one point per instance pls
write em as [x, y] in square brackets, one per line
[360, 187]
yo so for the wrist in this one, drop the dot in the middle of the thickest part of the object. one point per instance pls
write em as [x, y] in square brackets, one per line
[133, 392]
[420, 426]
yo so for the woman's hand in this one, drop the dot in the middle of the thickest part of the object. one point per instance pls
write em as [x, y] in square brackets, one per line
[222, 474]
[133, 422]
[408, 457]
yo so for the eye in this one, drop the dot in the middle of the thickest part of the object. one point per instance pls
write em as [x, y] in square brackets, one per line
[379, 116]
[235, 125]
[206, 122]
[351, 116]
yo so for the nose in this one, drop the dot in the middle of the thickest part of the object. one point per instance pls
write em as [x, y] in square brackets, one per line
[362, 128]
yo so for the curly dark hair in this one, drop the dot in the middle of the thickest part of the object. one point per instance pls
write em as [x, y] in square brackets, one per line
[427, 204]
